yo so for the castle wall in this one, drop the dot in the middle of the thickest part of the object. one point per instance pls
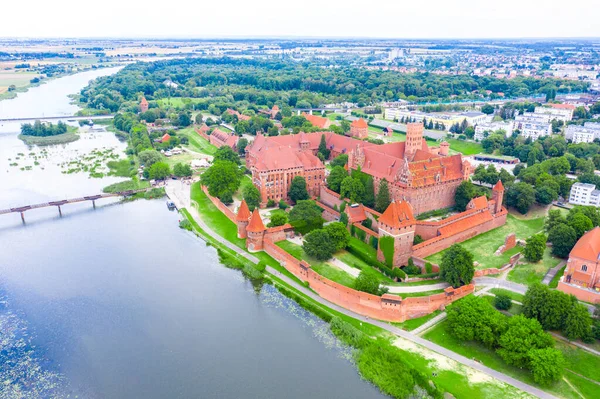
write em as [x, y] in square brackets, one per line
[580, 293]
[329, 197]
[222, 207]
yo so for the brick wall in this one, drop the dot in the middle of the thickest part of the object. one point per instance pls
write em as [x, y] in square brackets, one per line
[222, 207]
[580, 293]
[329, 214]
[328, 197]
[204, 135]
[421, 263]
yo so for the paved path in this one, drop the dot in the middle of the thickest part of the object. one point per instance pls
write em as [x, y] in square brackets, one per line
[354, 272]
[577, 344]
[552, 272]
[429, 324]
[497, 283]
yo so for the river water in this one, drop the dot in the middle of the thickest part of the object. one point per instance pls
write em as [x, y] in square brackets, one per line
[118, 302]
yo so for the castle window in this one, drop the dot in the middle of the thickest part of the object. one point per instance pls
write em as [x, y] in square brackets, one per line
[584, 268]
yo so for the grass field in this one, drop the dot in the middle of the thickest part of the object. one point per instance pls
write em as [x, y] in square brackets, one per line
[197, 143]
[515, 296]
[529, 273]
[485, 245]
[411, 324]
[419, 294]
[554, 282]
[465, 147]
[441, 336]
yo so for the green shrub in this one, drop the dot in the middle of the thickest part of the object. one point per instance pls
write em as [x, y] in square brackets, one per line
[270, 203]
[412, 270]
[185, 224]
[428, 268]
[502, 302]
[374, 241]
[387, 247]
[282, 204]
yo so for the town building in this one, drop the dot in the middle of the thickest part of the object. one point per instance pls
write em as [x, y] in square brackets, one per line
[219, 138]
[532, 125]
[587, 133]
[447, 120]
[584, 194]
[582, 274]
[559, 112]
[144, 105]
[359, 129]
[318, 121]
[482, 130]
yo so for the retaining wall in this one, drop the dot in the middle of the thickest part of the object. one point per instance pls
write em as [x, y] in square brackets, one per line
[222, 207]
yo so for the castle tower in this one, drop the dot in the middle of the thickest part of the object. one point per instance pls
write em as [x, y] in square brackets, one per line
[256, 232]
[466, 169]
[399, 223]
[414, 139]
[444, 148]
[143, 105]
[304, 143]
[242, 219]
[498, 196]
[359, 129]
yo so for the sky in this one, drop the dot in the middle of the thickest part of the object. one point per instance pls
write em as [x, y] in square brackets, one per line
[304, 18]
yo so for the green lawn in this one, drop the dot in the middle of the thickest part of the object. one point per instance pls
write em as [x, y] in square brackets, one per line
[465, 147]
[512, 295]
[411, 324]
[196, 142]
[419, 294]
[485, 245]
[554, 282]
[529, 273]
[473, 350]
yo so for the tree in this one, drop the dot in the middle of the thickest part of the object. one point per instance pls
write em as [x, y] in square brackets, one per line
[184, 119]
[318, 245]
[159, 171]
[278, 219]
[298, 190]
[563, 239]
[252, 196]
[368, 282]
[335, 178]
[338, 234]
[182, 170]
[520, 196]
[149, 157]
[502, 302]
[241, 145]
[464, 193]
[382, 200]
[369, 197]
[474, 319]
[225, 153]
[521, 336]
[306, 216]
[546, 365]
[353, 189]
[199, 118]
[340, 160]
[580, 223]
[579, 323]
[534, 249]
[457, 266]
[222, 179]
[323, 147]
[555, 217]
[487, 109]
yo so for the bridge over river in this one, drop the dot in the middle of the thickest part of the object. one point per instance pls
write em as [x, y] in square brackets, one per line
[58, 204]
[55, 118]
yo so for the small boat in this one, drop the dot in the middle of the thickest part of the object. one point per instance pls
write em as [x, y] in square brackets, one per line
[171, 205]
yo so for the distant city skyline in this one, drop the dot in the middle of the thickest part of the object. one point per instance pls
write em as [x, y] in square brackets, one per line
[434, 19]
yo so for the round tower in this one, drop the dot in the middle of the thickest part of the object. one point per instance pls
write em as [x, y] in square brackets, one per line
[242, 219]
[255, 232]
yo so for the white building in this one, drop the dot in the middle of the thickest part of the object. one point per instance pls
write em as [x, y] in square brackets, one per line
[560, 114]
[584, 194]
[446, 119]
[583, 134]
[533, 125]
[491, 127]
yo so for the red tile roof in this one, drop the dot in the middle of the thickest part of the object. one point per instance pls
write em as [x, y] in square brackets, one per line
[563, 106]
[318, 121]
[256, 224]
[480, 202]
[499, 186]
[144, 101]
[360, 123]
[397, 214]
[588, 246]
[466, 223]
[356, 213]
[243, 212]
[166, 137]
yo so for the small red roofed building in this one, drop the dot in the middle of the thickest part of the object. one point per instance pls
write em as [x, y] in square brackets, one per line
[240, 117]
[166, 137]
[582, 274]
[242, 219]
[219, 138]
[203, 129]
[143, 105]
[388, 131]
[359, 129]
[318, 121]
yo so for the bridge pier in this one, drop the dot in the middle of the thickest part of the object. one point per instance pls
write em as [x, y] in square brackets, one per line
[59, 210]
[23, 216]
[94, 203]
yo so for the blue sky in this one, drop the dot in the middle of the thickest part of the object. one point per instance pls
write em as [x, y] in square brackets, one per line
[329, 18]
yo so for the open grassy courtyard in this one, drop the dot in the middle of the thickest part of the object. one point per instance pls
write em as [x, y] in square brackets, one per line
[485, 245]
[196, 142]
[529, 273]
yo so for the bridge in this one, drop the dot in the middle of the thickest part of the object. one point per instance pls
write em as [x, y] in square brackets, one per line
[50, 118]
[58, 204]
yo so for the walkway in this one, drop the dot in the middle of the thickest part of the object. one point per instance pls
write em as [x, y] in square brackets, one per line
[498, 283]
[552, 272]
[395, 289]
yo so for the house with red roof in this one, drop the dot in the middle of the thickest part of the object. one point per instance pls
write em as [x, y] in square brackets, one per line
[582, 274]
[166, 137]
[318, 121]
[219, 138]
[359, 129]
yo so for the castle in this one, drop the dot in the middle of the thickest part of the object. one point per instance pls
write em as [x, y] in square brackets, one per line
[426, 177]
[582, 274]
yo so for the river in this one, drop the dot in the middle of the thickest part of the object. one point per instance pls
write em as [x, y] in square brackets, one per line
[118, 302]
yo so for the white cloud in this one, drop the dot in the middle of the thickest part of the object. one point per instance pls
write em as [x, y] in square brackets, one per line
[350, 18]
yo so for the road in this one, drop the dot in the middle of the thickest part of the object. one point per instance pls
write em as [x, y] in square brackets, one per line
[179, 193]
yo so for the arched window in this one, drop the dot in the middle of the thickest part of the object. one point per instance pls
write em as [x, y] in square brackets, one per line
[584, 268]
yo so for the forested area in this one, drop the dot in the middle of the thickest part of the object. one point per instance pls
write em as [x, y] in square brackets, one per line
[39, 129]
[302, 85]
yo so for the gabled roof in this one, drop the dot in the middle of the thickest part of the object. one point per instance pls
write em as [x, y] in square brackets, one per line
[499, 186]
[397, 214]
[143, 101]
[165, 137]
[256, 224]
[356, 213]
[361, 123]
[243, 212]
[480, 202]
[588, 246]
[318, 121]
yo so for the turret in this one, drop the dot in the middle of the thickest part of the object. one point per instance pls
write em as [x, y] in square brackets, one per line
[242, 219]
[414, 139]
[256, 232]
[444, 148]
[498, 196]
